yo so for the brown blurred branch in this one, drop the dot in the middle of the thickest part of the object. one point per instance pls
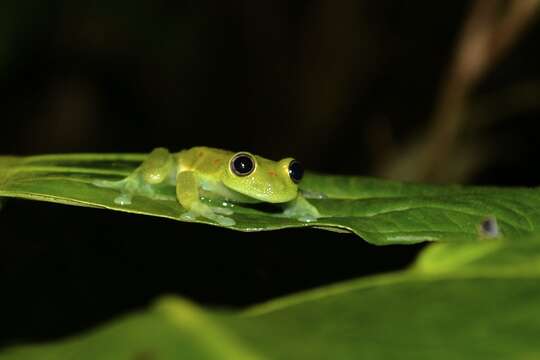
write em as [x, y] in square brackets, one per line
[487, 35]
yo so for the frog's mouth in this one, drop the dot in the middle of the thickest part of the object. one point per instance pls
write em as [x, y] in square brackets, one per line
[261, 193]
[258, 197]
[268, 197]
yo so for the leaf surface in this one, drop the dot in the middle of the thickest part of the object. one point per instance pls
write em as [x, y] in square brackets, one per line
[380, 211]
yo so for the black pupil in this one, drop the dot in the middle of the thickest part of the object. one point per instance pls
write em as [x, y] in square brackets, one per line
[296, 171]
[243, 165]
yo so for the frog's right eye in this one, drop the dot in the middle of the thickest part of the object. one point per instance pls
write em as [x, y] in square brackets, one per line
[242, 164]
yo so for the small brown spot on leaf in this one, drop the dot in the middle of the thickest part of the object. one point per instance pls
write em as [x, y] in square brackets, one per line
[489, 227]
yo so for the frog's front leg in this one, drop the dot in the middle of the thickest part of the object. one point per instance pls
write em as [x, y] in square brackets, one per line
[158, 167]
[301, 210]
[187, 192]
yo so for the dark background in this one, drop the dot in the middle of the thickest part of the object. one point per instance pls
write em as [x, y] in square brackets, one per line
[350, 87]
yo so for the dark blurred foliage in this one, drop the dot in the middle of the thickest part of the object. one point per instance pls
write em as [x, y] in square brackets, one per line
[344, 86]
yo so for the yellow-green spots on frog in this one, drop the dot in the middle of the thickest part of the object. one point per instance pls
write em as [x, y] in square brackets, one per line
[224, 176]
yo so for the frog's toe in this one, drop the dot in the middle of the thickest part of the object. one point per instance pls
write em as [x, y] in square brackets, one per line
[302, 216]
[224, 220]
[222, 210]
[150, 191]
[203, 210]
[307, 218]
[105, 184]
[188, 216]
[124, 199]
[221, 220]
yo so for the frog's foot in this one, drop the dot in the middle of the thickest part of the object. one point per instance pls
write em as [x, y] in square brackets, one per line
[107, 184]
[303, 217]
[221, 210]
[127, 187]
[313, 195]
[301, 210]
[211, 213]
[306, 218]
[123, 199]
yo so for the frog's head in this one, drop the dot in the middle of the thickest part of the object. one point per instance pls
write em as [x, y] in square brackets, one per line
[263, 179]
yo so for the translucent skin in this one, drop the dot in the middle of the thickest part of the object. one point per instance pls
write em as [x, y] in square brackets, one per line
[204, 170]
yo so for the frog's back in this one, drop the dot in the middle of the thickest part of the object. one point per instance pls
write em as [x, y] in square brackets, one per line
[205, 160]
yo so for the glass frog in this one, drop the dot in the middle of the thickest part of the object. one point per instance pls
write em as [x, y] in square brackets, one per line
[239, 177]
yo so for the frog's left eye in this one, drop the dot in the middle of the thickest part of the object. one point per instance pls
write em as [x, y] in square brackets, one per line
[242, 164]
[296, 171]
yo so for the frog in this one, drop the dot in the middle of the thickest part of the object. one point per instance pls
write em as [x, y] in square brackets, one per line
[200, 173]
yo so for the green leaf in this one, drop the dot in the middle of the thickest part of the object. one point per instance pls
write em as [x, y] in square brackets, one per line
[465, 300]
[379, 211]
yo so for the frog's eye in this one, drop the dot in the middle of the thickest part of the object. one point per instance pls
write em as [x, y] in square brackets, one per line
[242, 164]
[296, 171]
